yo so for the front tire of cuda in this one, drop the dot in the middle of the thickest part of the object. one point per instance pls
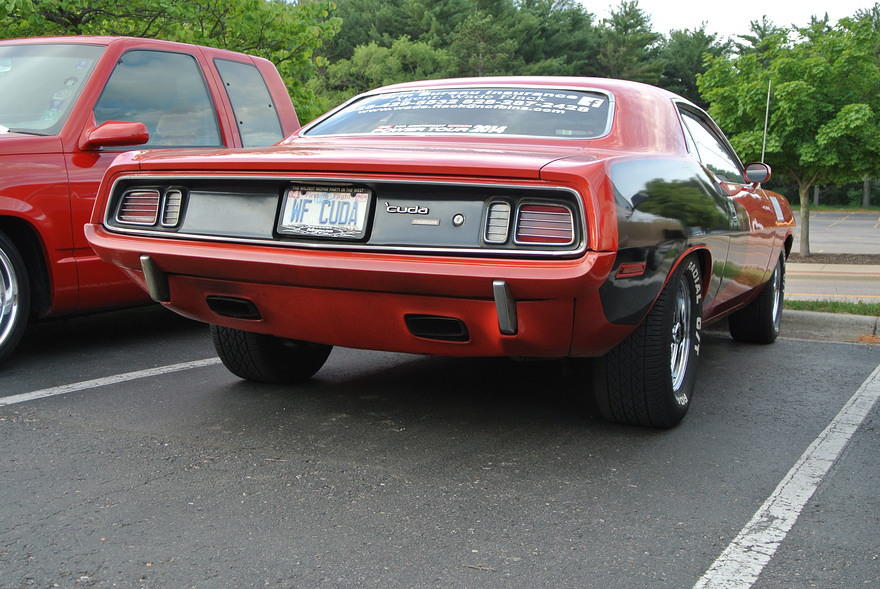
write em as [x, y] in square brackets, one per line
[265, 358]
[648, 379]
[14, 296]
[759, 321]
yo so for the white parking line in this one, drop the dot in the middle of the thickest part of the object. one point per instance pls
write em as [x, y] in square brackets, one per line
[742, 561]
[107, 380]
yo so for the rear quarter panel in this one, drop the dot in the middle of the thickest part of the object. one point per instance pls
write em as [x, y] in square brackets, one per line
[650, 210]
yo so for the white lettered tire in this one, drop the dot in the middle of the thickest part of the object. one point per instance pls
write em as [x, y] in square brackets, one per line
[759, 321]
[649, 378]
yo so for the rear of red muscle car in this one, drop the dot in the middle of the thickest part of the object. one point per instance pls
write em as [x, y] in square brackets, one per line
[554, 218]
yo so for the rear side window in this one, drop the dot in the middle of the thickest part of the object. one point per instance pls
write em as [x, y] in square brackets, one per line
[166, 92]
[712, 150]
[252, 104]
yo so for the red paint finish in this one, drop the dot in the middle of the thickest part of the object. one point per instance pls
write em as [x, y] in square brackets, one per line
[359, 297]
[49, 183]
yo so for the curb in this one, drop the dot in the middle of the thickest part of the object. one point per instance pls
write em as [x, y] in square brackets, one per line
[863, 271]
[824, 327]
[838, 327]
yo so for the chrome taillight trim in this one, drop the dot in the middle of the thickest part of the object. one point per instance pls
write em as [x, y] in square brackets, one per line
[149, 208]
[569, 223]
[178, 180]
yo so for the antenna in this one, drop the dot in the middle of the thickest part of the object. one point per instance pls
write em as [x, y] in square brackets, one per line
[766, 119]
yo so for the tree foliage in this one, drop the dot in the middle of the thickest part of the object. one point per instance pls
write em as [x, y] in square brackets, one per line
[373, 65]
[824, 125]
[286, 33]
[628, 45]
[683, 56]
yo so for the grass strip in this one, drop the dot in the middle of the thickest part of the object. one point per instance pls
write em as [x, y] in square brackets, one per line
[857, 308]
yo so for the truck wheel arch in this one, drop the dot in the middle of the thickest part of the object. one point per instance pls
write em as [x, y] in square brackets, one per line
[31, 248]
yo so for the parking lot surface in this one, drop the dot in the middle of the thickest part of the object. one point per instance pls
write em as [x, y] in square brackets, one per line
[391, 470]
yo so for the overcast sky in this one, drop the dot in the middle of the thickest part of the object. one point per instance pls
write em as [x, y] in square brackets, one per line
[731, 18]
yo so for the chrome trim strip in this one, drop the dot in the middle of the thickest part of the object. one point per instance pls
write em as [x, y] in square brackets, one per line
[303, 131]
[157, 282]
[505, 306]
[177, 179]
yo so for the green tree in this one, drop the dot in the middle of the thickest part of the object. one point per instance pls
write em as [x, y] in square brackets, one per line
[824, 126]
[683, 54]
[628, 45]
[764, 35]
[287, 33]
[372, 21]
[554, 37]
[373, 65]
[482, 47]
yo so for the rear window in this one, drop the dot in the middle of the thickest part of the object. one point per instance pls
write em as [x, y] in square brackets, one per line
[541, 112]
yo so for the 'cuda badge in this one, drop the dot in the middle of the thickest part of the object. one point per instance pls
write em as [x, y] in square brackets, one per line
[399, 210]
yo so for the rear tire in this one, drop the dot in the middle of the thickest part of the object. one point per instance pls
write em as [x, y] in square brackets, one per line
[648, 379]
[759, 321]
[265, 358]
[15, 296]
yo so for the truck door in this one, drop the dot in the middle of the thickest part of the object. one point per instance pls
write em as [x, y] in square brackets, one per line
[168, 92]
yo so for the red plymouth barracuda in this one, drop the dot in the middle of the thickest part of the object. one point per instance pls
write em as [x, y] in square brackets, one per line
[68, 106]
[524, 217]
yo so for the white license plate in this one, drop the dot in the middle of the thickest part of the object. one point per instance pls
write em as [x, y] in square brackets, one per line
[325, 211]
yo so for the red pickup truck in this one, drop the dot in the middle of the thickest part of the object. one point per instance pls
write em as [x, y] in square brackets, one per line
[68, 107]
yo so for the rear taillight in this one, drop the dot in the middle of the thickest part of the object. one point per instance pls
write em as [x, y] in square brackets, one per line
[544, 224]
[171, 208]
[139, 207]
[497, 223]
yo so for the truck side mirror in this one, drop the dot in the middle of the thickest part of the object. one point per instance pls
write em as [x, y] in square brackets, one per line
[114, 134]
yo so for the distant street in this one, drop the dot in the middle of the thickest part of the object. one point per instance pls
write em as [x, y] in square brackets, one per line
[842, 233]
[837, 233]
[836, 282]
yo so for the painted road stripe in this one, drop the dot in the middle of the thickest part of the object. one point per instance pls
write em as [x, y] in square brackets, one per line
[742, 561]
[107, 380]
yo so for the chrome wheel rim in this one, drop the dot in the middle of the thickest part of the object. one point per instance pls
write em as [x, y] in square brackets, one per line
[9, 306]
[680, 343]
[776, 285]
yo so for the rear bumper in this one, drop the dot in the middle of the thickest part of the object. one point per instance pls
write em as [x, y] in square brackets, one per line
[361, 299]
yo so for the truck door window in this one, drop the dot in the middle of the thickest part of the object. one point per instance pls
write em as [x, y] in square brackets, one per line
[252, 104]
[166, 92]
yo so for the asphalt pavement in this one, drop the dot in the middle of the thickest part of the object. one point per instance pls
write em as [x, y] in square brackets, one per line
[155, 467]
[132, 458]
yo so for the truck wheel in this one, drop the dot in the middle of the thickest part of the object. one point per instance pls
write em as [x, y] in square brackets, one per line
[15, 296]
[759, 321]
[649, 378]
[265, 358]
